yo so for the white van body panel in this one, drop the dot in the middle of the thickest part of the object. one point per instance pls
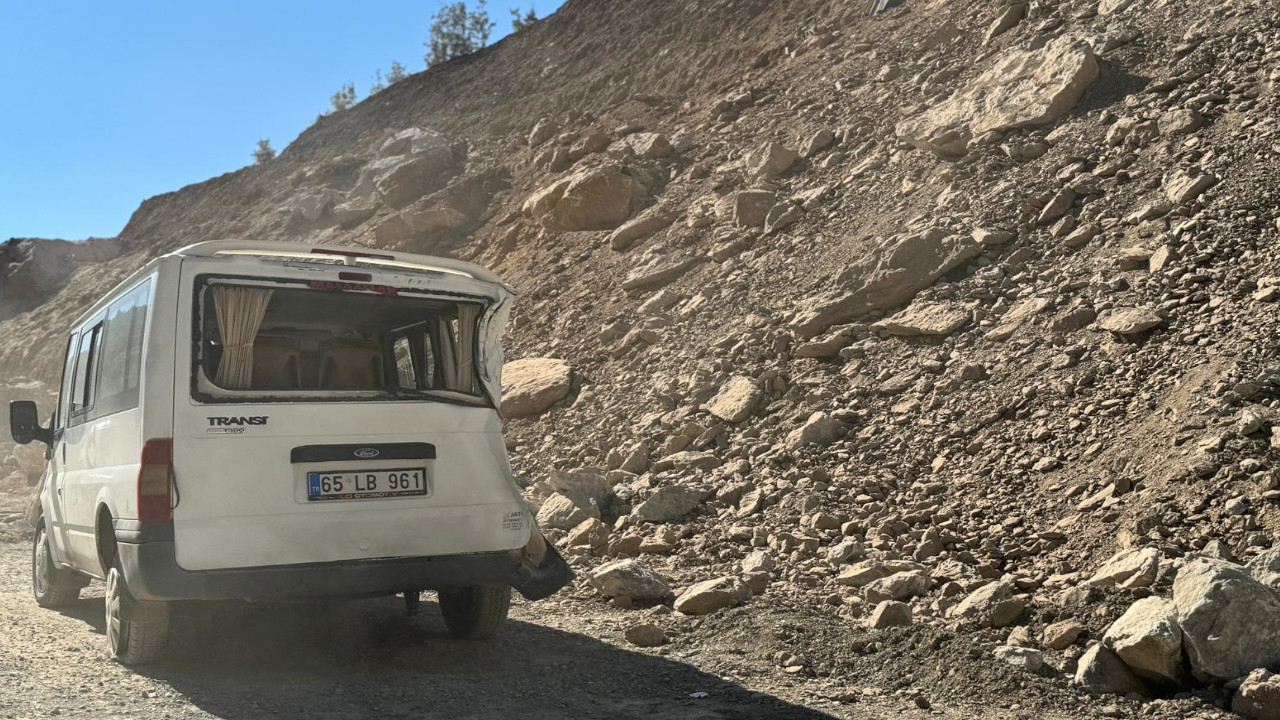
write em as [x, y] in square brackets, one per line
[242, 503]
[97, 459]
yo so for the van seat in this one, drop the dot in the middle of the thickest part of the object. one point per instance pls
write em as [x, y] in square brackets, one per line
[350, 364]
[276, 364]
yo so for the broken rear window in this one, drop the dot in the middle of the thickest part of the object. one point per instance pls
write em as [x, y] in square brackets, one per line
[267, 339]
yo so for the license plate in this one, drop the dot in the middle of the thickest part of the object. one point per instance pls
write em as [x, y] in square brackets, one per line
[366, 484]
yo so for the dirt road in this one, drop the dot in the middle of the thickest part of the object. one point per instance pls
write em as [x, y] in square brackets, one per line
[358, 659]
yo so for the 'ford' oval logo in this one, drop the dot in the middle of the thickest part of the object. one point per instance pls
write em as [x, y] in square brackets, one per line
[366, 453]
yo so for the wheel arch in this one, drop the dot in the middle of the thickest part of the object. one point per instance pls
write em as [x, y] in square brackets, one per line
[104, 532]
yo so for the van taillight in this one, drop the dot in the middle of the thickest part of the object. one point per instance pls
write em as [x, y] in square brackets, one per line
[155, 479]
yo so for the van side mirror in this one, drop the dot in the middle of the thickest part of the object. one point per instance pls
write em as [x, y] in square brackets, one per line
[24, 423]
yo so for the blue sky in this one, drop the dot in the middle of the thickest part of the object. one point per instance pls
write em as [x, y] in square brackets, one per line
[109, 103]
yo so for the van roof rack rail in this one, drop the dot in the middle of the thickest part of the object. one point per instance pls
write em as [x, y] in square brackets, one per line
[347, 255]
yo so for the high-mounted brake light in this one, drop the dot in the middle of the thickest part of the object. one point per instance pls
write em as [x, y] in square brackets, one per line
[354, 276]
[155, 481]
[352, 254]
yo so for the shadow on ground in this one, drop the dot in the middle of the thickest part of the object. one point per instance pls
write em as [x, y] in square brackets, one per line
[368, 660]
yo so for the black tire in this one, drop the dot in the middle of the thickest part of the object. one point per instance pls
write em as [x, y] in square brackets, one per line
[51, 586]
[136, 633]
[476, 612]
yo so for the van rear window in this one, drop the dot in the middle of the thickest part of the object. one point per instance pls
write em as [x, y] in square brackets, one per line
[263, 340]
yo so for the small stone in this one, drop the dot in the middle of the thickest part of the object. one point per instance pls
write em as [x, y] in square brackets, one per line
[771, 160]
[1130, 320]
[1258, 697]
[629, 578]
[1028, 659]
[645, 635]
[1063, 634]
[819, 141]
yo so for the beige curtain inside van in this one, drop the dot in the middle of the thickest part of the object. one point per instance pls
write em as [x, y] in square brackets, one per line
[468, 319]
[240, 312]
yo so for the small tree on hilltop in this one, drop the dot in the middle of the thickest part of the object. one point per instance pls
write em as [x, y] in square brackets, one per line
[382, 82]
[457, 31]
[520, 21]
[344, 98]
[396, 73]
[264, 152]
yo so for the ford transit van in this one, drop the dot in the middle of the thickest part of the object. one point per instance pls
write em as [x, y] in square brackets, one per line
[254, 420]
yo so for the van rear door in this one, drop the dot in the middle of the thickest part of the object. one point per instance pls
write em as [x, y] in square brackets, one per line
[319, 420]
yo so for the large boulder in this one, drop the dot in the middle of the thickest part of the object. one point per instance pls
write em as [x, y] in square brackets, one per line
[1025, 88]
[1100, 671]
[898, 586]
[746, 208]
[413, 141]
[712, 595]
[629, 578]
[1230, 622]
[600, 198]
[532, 385]
[820, 429]
[736, 400]
[1128, 569]
[668, 503]
[453, 210]
[891, 276]
[411, 176]
[1148, 639]
[1130, 320]
[647, 223]
[770, 160]
[890, 613]
[925, 319]
[564, 512]
[992, 605]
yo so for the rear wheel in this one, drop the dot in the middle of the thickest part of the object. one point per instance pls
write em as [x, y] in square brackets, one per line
[51, 586]
[136, 631]
[475, 612]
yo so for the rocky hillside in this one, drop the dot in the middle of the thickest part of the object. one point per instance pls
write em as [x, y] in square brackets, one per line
[925, 353]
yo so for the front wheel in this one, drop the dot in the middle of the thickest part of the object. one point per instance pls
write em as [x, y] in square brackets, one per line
[51, 586]
[136, 631]
[475, 612]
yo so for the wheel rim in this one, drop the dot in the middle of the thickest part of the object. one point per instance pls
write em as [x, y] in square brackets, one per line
[40, 564]
[115, 626]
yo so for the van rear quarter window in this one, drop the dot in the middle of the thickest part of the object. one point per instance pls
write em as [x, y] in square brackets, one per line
[284, 340]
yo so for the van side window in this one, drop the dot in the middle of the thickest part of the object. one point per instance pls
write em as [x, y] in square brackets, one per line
[120, 359]
[82, 387]
[64, 392]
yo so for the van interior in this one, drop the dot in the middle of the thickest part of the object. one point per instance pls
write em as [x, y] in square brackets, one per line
[261, 339]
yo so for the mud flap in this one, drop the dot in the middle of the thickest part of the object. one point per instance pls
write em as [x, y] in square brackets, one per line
[542, 571]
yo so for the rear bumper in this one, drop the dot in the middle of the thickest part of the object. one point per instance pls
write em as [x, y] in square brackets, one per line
[152, 573]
